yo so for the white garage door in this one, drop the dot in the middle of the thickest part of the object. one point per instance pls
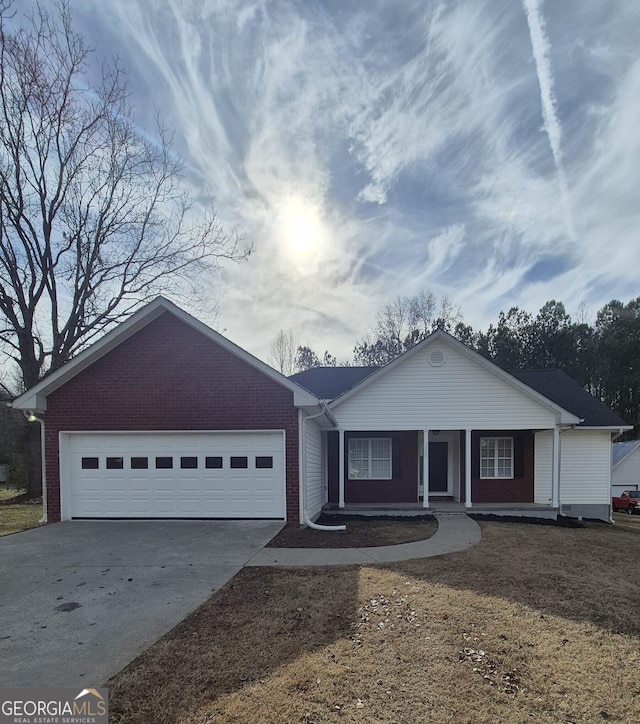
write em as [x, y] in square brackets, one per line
[173, 475]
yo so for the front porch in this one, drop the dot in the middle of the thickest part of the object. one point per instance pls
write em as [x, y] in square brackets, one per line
[498, 472]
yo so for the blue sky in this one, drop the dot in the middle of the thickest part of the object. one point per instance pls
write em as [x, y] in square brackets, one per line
[488, 151]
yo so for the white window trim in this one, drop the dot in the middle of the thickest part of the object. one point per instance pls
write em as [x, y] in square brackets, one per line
[368, 441]
[496, 476]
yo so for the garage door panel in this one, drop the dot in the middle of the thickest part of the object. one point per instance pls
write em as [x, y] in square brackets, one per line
[213, 507]
[174, 475]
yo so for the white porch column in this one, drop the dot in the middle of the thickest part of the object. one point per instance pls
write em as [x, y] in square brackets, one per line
[341, 466]
[467, 468]
[425, 469]
[555, 468]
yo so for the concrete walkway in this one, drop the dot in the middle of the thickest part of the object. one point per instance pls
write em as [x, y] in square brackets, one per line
[456, 531]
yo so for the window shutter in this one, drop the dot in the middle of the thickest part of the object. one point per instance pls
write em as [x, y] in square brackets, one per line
[395, 458]
[518, 457]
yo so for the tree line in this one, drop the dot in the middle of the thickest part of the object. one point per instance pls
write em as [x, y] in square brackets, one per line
[601, 355]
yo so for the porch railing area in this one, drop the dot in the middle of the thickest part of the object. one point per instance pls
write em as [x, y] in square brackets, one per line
[525, 510]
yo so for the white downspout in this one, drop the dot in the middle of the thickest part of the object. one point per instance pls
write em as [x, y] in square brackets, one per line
[303, 478]
[560, 431]
[32, 417]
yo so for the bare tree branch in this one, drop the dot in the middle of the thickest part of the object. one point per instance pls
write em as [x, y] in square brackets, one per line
[283, 352]
[94, 216]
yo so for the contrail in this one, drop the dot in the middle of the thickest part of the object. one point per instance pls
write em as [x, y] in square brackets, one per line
[541, 49]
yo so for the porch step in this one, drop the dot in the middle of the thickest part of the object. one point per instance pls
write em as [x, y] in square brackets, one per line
[378, 509]
[525, 510]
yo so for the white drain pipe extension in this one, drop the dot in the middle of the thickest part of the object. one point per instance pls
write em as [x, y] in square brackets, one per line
[303, 476]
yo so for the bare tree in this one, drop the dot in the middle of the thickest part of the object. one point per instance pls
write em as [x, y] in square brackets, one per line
[283, 352]
[403, 323]
[449, 315]
[94, 217]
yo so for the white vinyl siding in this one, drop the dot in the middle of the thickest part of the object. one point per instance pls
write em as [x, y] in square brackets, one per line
[415, 395]
[496, 457]
[585, 467]
[370, 458]
[626, 474]
[543, 467]
[315, 469]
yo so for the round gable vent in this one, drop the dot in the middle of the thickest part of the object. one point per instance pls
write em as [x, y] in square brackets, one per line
[436, 358]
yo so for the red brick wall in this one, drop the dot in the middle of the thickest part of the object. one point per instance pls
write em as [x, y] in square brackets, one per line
[168, 376]
[516, 490]
[402, 488]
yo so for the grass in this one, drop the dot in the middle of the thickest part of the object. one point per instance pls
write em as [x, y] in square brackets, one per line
[17, 512]
[535, 623]
[627, 522]
[361, 532]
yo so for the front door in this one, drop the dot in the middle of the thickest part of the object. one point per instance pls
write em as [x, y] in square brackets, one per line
[438, 467]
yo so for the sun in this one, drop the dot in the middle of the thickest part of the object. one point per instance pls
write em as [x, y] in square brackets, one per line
[302, 230]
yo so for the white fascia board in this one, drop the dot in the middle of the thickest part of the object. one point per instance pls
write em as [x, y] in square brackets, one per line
[130, 326]
[91, 354]
[33, 402]
[614, 428]
[564, 416]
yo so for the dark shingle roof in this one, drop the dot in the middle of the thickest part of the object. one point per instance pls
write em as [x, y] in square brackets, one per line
[561, 389]
[329, 382]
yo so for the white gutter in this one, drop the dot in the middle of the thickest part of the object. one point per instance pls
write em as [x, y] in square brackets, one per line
[303, 472]
[32, 417]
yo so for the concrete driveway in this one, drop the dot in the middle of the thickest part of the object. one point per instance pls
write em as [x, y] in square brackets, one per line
[80, 599]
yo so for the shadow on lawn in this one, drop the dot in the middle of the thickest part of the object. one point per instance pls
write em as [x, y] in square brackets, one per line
[265, 619]
[269, 617]
[583, 574]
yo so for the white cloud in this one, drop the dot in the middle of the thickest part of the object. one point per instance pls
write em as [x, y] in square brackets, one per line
[410, 136]
[541, 54]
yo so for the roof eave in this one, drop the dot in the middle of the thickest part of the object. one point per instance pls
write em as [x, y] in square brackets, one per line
[618, 428]
[35, 398]
[564, 416]
[138, 320]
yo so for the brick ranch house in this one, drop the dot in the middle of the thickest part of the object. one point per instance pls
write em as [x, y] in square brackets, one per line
[165, 418]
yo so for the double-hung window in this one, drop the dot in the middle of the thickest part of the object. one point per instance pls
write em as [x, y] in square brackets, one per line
[370, 458]
[496, 457]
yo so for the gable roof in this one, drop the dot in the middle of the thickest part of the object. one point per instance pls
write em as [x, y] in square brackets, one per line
[36, 398]
[440, 335]
[330, 382]
[551, 385]
[566, 392]
[622, 450]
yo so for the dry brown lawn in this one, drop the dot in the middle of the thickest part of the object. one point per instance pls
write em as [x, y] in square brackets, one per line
[18, 511]
[536, 623]
[360, 533]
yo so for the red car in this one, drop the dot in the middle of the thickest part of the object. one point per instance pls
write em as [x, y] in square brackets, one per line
[629, 501]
